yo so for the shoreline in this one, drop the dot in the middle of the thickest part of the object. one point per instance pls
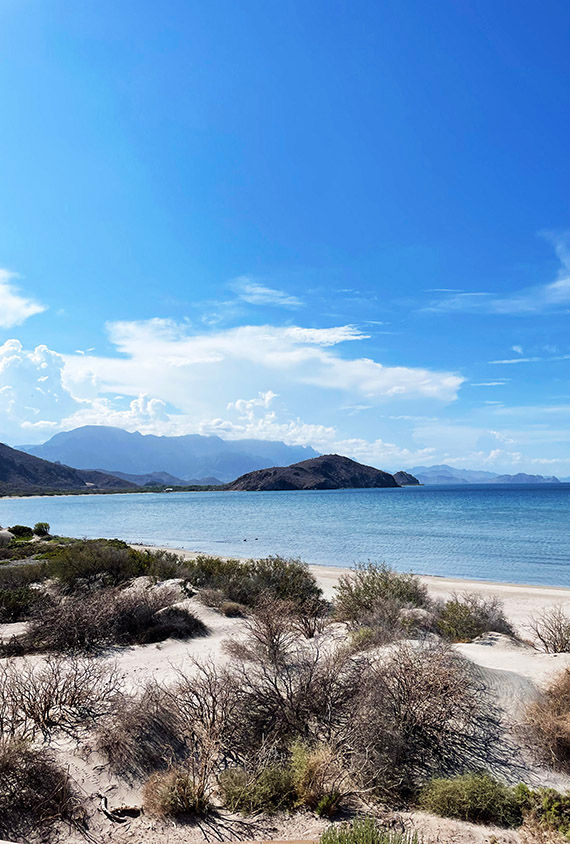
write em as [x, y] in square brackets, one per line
[521, 601]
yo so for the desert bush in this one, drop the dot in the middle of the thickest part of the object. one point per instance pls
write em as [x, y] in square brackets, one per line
[366, 831]
[271, 789]
[107, 562]
[474, 797]
[422, 712]
[21, 531]
[16, 576]
[372, 587]
[551, 630]
[19, 603]
[174, 794]
[246, 582]
[233, 610]
[41, 529]
[468, 615]
[56, 694]
[91, 621]
[143, 734]
[35, 794]
[547, 724]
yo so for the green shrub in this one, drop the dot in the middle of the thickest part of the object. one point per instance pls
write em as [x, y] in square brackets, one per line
[21, 531]
[366, 831]
[15, 577]
[269, 790]
[18, 603]
[174, 794]
[41, 529]
[107, 562]
[368, 586]
[478, 798]
[248, 582]
[468, 615]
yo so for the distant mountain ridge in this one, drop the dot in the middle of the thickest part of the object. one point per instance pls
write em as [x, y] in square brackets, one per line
[21, 473]
[164, 479]
[329, 471]
[444, 474]
[100, 447]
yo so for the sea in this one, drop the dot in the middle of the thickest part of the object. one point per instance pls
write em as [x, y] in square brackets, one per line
[512, 533]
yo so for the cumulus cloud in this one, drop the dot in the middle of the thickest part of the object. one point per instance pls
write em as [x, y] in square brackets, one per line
[15, 308]
[163, 358]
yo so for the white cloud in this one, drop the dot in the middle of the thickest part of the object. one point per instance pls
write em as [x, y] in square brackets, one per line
[518, 350]
[540, 298]
[15, 308]
[254, 293]
[162, 358]
[535, 359]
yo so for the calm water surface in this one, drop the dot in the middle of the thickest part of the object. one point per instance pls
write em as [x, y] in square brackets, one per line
[512, 533]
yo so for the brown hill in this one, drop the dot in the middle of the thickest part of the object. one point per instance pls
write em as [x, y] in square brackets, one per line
[330, 471]
[20, 473]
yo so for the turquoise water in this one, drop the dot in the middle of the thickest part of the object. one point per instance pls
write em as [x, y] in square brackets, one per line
[509, 533]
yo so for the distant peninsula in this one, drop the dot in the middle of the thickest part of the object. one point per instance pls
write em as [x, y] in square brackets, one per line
[23, 474]
[329, 471]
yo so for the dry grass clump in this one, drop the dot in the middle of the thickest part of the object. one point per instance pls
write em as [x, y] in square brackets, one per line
[548, 724]
[468, 615]
[551, 630]
[35, 794]
[175, 794]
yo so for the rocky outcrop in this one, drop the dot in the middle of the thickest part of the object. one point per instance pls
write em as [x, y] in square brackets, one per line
[405, 479]
[330, 471]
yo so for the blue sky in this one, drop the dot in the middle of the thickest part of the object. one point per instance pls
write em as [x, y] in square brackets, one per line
[343, 224]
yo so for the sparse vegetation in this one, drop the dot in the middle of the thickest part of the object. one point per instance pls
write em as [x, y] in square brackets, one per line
[551, 630]
[548, 724]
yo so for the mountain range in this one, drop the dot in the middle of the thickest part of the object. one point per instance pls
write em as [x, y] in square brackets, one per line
[186, 458]
[445, 474]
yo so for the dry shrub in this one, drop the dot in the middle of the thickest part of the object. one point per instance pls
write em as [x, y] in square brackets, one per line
[421, 713]
[548, 724]
[143, 734]
[468, 615]
[56, 694]
[35, 794]
[92, 621]
[175, 794]
[551, 630]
